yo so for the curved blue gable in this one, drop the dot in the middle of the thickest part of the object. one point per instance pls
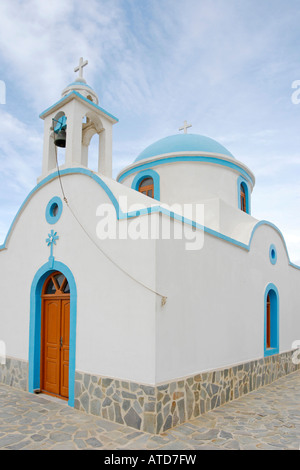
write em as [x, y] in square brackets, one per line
[183, 143]
[156, 208]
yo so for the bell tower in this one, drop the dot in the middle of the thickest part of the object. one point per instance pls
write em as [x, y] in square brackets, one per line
[71, 123]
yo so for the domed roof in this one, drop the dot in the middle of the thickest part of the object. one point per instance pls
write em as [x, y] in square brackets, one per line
[183, 143]
[83, 88]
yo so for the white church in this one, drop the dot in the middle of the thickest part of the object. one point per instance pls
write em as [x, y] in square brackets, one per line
[150, 299]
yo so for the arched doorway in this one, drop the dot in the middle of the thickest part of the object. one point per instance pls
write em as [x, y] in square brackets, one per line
[55, 335]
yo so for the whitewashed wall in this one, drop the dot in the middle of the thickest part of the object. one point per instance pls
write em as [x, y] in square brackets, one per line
[115, 315]
[214, 315]
[194, 182]
[215, 311]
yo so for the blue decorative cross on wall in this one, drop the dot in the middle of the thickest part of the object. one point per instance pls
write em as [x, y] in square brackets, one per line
[51, 240]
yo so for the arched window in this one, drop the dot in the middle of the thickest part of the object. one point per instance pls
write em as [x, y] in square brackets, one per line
[57, 284]
[271, 321]
[147, 187]
[243, 198]
[243, 195]
[147, 182]
[268, 323]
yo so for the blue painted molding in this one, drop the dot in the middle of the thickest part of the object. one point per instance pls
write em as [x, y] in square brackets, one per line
[35, 325]
[60, 102]
[243, 182]
[273, 254]
[162, 161]
[52, 177]
[270, 224]
[153, 209]
[81, 84]
[274, 299]
[50, 217]
[148, 174]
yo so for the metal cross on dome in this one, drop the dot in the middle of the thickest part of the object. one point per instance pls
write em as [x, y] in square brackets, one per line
[185, 127]
[79, 68]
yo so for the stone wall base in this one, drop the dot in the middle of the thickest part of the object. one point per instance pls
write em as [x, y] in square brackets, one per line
[155, 409]
[14, 373]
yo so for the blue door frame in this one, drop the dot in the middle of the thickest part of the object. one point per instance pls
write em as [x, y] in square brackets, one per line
[35, 325]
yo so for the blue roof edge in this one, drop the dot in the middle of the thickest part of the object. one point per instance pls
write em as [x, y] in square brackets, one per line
[84, 99]
[158, 208]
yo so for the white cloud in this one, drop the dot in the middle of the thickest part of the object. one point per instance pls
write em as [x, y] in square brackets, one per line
[225, 67]
[19, 145]
[42, 40]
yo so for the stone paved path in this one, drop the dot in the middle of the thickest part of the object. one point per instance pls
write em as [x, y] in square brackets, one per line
[265, 419]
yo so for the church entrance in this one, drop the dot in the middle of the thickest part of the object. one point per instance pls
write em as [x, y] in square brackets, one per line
[55, 336]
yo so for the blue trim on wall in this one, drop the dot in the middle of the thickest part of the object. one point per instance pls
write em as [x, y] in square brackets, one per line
[148, 174]
[35, 325]
[273, 254]
[270, 224]
[274, 299]
[242, 181]
[81, 84]
[216, 160]
[52, 177]
[50, 217]
[153, 209]
[81, 97]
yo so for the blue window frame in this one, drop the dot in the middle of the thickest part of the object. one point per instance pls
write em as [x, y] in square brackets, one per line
[271, 320]
[54, 210]
[148, 174]
[244, 195]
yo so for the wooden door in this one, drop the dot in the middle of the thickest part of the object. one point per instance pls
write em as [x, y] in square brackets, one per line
[65, 337]
[55, 336]
[51, 346]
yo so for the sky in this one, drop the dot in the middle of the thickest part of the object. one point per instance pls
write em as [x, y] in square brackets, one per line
[227, 67]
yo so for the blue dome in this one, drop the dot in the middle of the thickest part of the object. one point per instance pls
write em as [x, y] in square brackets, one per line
[183, 143]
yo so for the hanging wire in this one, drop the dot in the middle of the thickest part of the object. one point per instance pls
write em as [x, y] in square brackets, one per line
[163, 298]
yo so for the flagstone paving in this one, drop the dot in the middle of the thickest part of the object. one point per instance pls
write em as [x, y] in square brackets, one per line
[268, 418]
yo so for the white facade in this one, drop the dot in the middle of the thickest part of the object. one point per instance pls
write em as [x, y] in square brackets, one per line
[215, 310]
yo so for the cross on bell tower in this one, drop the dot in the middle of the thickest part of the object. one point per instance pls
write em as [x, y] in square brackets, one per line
[78, 117]
[79, 68]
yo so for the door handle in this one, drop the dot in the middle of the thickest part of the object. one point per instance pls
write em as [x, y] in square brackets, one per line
[61, 342]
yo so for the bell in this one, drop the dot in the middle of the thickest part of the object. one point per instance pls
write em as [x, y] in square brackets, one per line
[60, 138]
[59, 127]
